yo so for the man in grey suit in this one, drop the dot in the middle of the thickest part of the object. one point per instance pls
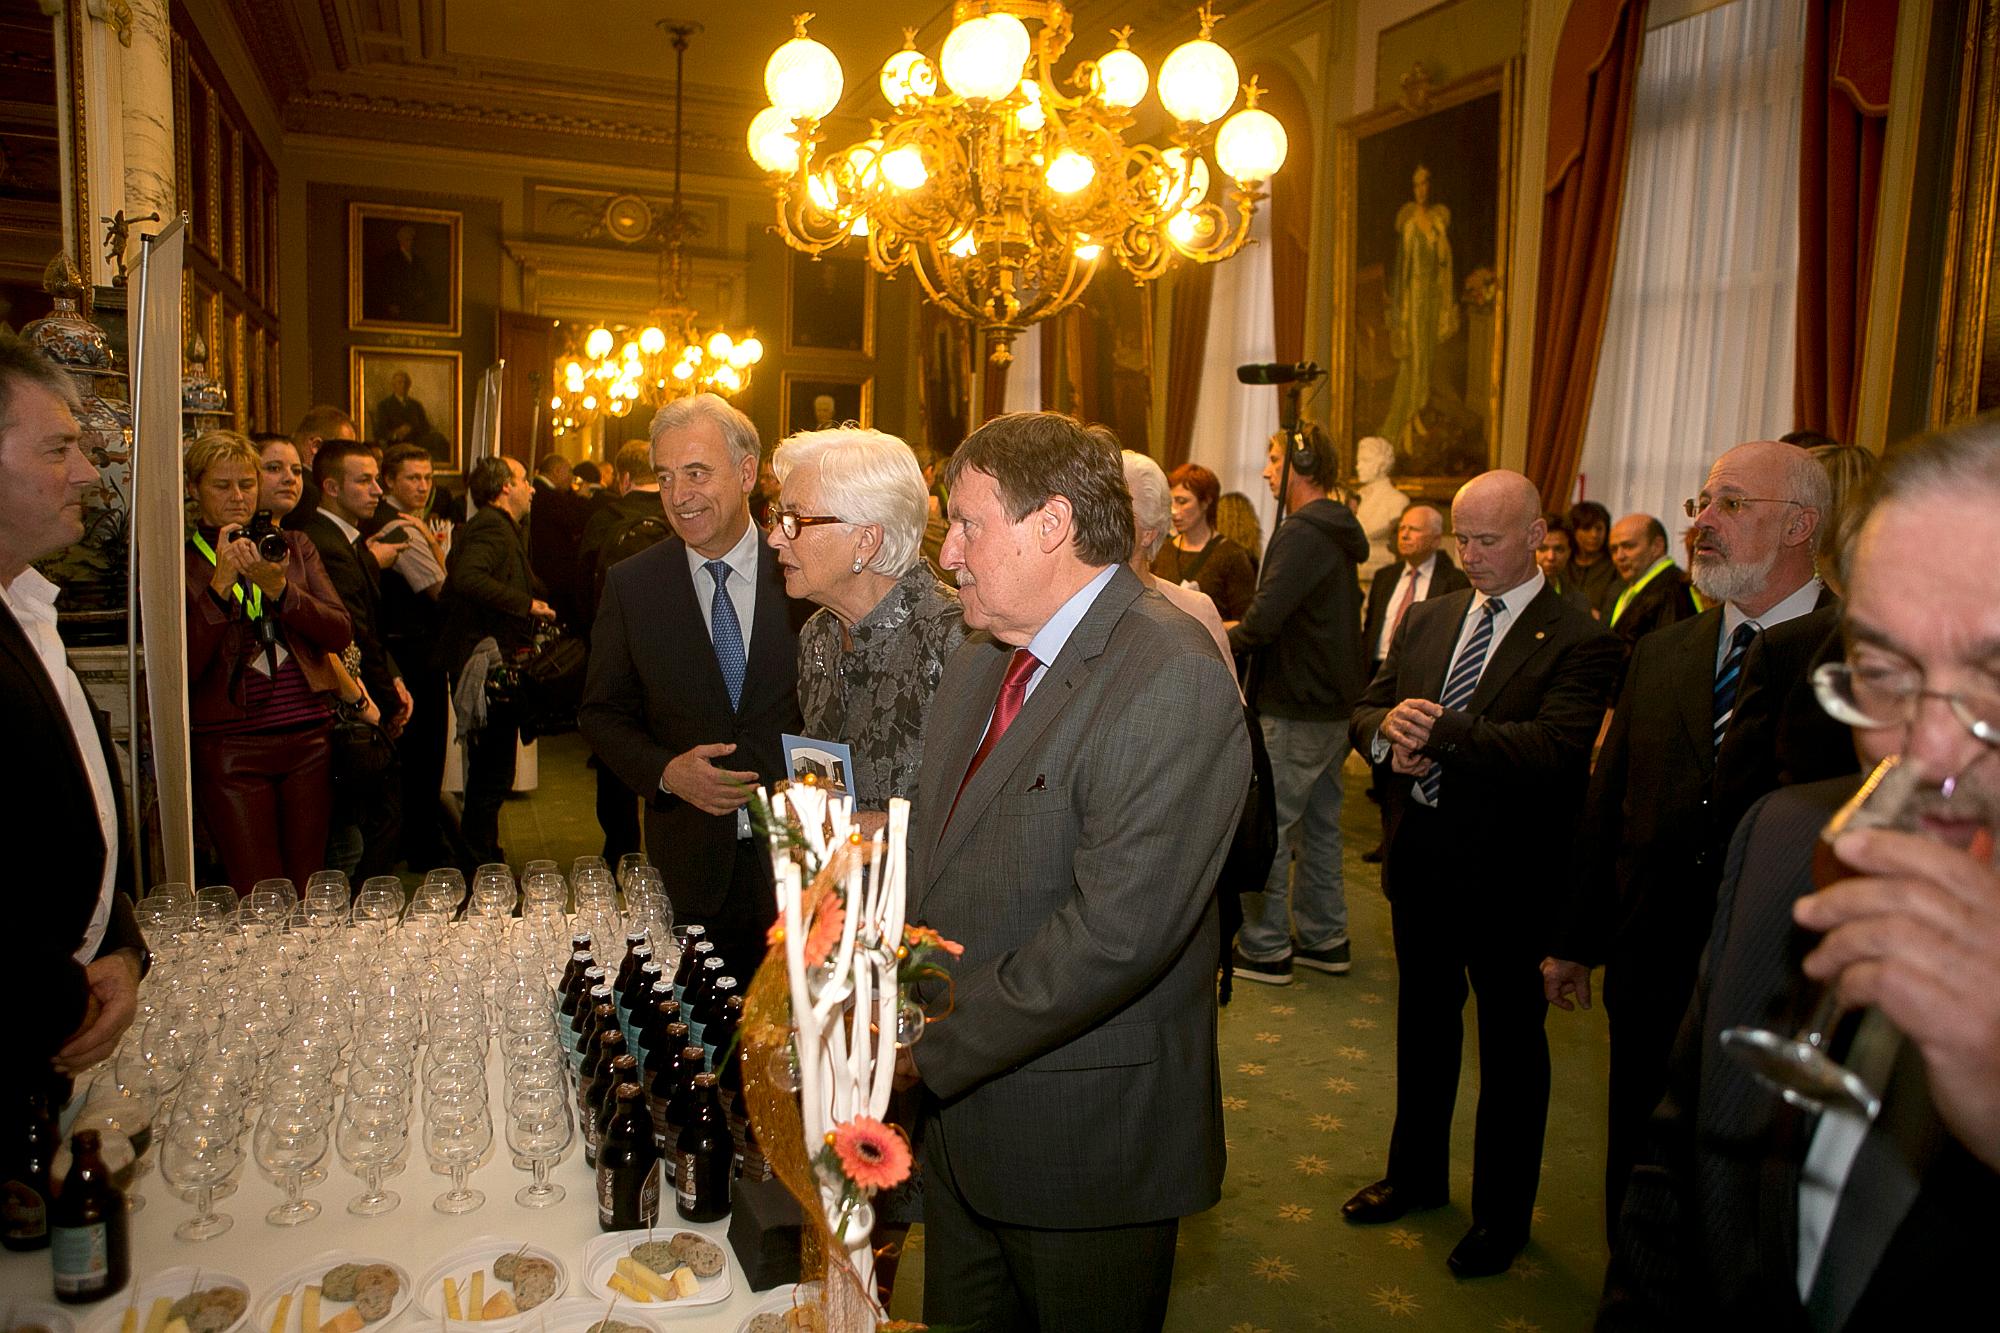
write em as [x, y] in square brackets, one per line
[1084, 765]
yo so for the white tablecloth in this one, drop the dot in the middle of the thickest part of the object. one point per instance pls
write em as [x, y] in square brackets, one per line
[415, 1236]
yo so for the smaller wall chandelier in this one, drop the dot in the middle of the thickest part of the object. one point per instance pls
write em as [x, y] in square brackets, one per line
[1002, 191]
[612, 368]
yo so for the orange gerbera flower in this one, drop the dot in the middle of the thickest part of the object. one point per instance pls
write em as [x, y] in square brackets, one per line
[875, 1156]
[825, 933]
[918, 937]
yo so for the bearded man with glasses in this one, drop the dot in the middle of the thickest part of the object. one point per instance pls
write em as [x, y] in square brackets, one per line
[1744, 1211]
[1649, 848]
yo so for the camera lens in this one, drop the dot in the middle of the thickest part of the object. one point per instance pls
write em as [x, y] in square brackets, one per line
[271, 546]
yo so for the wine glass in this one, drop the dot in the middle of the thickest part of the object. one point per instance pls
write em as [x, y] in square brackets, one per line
[457, 1133]
[123, 1116]
[1799, 1066]
[539, 1129]
[288, 1142]
[198, 1154]
[372, 1133]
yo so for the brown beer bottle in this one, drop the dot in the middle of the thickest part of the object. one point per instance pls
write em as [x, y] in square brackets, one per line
[26, 1155]
[90, 1242]
[628, 1190]
[707, 1157]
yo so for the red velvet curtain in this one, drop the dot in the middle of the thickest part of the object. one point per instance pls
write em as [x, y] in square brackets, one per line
[1187, 341]
[1850, 47]
[1590, 123]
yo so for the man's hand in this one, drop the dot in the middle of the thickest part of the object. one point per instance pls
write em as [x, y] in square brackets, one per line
[1408, 762]
[234, 556]
[1562, 980]
[393, 724]
[1409, 723]
[717, 791]
[114, 998]
[907, 1075]
[1917, 933]
[541, 610]
[385, 552]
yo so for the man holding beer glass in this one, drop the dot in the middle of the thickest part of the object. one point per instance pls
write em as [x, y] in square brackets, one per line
[1753, 1203]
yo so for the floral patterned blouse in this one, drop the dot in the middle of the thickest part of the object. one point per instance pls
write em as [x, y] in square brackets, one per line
[871, 687]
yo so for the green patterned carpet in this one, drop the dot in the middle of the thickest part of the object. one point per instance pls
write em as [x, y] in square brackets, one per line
[1309, 1091]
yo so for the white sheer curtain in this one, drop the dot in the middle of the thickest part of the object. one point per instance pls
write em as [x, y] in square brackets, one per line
[1024, 376]
[1698, 337]
[1233, 422]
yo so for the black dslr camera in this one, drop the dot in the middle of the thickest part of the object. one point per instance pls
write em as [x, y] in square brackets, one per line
[269, 540]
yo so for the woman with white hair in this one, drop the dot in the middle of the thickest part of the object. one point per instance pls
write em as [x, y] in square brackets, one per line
[848, 529]
[1152, 522]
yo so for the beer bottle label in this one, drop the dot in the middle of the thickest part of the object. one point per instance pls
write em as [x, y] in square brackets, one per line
[685, 1180]
[23, 1214]
[81, 1257]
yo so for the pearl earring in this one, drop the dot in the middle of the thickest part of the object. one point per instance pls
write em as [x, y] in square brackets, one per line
[857, 564]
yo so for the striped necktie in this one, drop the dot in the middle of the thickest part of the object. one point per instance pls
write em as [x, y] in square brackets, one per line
[1731, 675]
[1462, 681]
[726, 632]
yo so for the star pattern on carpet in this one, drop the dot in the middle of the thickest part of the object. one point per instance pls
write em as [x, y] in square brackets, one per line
[1327, 1124]
[1235, 1103]
[1269, 1038]
[1284, 1010]
[1361, 1024]
[1273, 1268]
[1518, 1324]
[1395, 1301]
[1252, 1068]
[1247, 1327]
[1527, 1269]
[1342, 1086]
[1309, 1164]
[1294, 1212]
[1405, 1239]
[1353, 1053]
[1370, 997]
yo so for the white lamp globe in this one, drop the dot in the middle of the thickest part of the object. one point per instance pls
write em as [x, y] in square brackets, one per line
[752, 350]
[719, 345]
[983, 57]
[1031, 117]
[598, 344]
[1198, 82]
[1122, 78]
[803, 79]
[906, 76]
[652, 341]
[772, 146]
[1070, 172]
[1251, 145]
[904, 167]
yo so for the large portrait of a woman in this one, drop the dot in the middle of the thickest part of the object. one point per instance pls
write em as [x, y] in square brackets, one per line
[1421, 265]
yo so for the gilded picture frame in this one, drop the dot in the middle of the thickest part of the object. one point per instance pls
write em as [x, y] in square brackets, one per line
[403, 269]
[1965, 372]
[426, 410]
[829, 305]
[1420, 262]
[853, 398]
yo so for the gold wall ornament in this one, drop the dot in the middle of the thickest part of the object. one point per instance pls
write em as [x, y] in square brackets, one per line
[1000, 190]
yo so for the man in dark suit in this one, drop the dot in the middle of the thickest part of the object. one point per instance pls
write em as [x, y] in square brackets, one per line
[1655, 590]
[489, 593]
[72, 969]
[1743, 1210]
[1420, 572]
[1074, 856]
[412, 587]
[694, 675]
[556, 534]
[1649, 851]
[1780, 736]
[349, 476]
[1485, 709]
[321, 424]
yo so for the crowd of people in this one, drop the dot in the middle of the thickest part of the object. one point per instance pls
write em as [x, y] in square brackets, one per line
[1587, 756]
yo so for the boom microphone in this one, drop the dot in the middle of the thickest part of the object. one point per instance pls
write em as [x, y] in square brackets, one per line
[1277, 372]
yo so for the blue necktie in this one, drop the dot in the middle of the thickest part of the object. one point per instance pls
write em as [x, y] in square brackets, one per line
[1731, 675]
[1464, 679]
[727, 633]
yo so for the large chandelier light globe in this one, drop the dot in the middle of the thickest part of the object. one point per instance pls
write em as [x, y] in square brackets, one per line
[906, 76]
[772, 146]
[1198, 82]
[983, 58]
[1122, 78]
[904, 167]
[803, 79]
[598, 344]
[1251, 145]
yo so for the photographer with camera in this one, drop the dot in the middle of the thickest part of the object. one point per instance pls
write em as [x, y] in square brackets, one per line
[262, 622]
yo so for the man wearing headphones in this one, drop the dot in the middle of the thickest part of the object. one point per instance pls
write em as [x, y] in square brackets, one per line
[1303, 631]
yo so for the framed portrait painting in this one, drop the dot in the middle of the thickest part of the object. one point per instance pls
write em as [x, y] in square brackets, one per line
[406, 396]
[402, 269]
[817, 400]
[829, 304]
[1420, 277]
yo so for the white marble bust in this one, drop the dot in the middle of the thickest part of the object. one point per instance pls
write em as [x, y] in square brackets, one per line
[1378, 504]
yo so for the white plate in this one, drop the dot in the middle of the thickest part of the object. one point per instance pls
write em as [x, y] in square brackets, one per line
[600, 1261]
[21, 1313]
[775, 1301]
[575, 1314]
[480, 1254]
[172, 1283]
[296, 1281]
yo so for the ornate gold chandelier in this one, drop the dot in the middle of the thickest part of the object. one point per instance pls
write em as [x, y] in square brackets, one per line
[1003, 192]
[613, 367]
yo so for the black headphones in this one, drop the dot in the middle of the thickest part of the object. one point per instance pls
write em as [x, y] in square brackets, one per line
[1305, 459]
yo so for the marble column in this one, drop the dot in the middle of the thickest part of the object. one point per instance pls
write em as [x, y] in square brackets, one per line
[147, 119]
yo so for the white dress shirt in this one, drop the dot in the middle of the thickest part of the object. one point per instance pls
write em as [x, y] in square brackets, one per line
[32, 599]
[1836, 1142]
[1420, 574]
[1802, 599]
[741, 581]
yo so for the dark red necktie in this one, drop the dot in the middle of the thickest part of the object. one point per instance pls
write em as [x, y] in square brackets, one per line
[1013, 692]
